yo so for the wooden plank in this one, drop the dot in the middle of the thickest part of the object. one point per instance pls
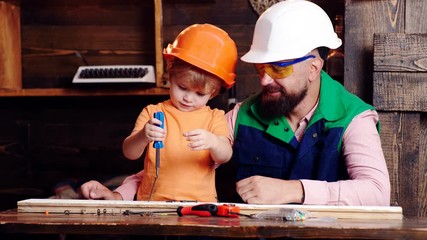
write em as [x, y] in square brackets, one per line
[56, 68]
[158, 40]
[400, 137]
[88, 37]
[400, 52]
[78, 206]
[362, 20]
[218, 12]
[416, 16]
[422, 195]
[88, 12]
[10, 46]
[75, 92]
[394, 91]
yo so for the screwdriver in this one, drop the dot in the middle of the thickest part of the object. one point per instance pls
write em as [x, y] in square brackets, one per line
[209, 209]
[157, 145]
[201, 210]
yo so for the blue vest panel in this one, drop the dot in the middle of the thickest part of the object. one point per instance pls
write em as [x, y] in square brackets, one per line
[316, 157]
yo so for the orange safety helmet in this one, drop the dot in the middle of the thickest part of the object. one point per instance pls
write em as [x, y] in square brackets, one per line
[207, 47]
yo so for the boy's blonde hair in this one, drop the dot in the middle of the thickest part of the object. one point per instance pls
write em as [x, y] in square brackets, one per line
[196, 77]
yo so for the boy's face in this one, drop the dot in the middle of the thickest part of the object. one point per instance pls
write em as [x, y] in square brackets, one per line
[188, 98]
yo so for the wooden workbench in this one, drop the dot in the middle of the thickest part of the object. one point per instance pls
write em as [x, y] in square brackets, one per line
[12, 222]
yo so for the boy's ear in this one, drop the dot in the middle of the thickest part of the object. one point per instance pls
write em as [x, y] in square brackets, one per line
[221, 91]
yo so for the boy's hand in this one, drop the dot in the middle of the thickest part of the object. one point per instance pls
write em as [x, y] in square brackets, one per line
[200, 139]
[95, 190]
[152, 130]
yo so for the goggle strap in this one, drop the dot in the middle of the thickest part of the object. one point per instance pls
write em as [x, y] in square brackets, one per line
[284, 64]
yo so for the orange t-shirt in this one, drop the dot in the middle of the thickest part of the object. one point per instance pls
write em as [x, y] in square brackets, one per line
[184, 174]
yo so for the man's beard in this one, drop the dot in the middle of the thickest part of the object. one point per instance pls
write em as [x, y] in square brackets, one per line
[282, 106]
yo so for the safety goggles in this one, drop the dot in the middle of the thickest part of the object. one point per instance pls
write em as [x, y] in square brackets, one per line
[279, 70]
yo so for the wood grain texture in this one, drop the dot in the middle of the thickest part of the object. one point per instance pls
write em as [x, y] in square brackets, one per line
[158, 40]
[400, 52]
[93, 92]
[400, 137]
[104, 32]
[422, 206]
[10, 46]
[400, 65]
[400, 91]
[416, 16]
[239, 228]
[362, 20]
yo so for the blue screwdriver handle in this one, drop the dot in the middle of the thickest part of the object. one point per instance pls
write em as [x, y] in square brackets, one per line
[161, 117]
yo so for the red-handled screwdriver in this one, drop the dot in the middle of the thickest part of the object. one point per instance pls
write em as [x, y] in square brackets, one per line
[207, 210]
[201, 210]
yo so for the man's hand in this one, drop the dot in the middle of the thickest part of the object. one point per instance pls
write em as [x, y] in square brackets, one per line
[265, 190]
[95, 190]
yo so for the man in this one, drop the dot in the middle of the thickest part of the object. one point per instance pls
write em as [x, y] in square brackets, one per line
[304, 127]
[304, 139]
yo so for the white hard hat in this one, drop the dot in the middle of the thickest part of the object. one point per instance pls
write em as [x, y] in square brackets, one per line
[291, 29]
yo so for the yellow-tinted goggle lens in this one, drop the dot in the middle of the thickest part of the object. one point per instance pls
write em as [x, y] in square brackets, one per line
[279, 70]
[274, 72]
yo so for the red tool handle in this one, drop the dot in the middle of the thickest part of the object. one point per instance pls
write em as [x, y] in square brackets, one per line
[207, 210]
[202, 210]
[228, 211]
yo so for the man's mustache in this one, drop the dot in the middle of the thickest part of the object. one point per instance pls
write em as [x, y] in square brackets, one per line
[270, 88]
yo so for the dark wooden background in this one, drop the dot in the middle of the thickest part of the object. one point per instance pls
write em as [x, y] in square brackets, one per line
[391, 70]
[49, 140]
[46, 141]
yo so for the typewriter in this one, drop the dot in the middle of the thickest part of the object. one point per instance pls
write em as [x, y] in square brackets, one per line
[115, 74]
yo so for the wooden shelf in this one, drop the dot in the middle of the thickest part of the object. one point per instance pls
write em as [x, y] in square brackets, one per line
[89, 92]
[11, 66]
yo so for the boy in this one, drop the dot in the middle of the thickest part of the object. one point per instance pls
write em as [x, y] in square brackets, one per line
[200, 61]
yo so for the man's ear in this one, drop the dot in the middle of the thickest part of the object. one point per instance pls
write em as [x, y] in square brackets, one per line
[316, 66]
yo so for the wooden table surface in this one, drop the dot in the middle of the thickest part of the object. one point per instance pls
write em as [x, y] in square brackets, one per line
[39, 223]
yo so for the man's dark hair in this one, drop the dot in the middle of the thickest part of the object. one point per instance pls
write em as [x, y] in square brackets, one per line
[323, 52]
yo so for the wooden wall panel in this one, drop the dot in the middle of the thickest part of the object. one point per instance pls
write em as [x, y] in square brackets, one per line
[362, 20]
[104, 32]
[79, 137]
[90, 12]
[10, 46]
[400, 91]
[422, 206]
[400, 85]
[416, 16]
[49, 52]
[400, 52]
[400, 134]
